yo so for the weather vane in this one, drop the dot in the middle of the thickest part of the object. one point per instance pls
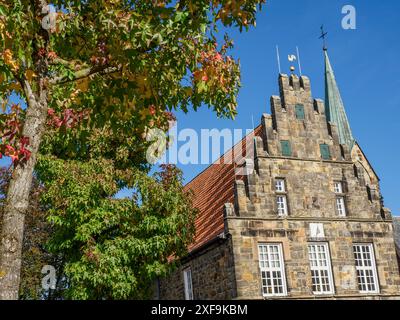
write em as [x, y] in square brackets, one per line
[291, 58]
[323, 36]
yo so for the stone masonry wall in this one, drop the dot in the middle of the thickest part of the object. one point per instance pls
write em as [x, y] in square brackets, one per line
[309, 181]
[212, 275]
[294, 236]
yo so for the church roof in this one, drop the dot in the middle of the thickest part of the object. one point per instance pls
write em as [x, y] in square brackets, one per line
[212, 188]
[335, 111]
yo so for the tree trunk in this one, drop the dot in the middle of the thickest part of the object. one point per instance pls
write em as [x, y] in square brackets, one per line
[18, 199]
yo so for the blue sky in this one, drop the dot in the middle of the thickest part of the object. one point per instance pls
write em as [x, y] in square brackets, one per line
[366, 63]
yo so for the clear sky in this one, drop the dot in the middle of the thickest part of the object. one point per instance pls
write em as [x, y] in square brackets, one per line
[366, 64]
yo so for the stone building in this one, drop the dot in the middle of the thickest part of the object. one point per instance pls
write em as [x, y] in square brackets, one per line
[308, 222]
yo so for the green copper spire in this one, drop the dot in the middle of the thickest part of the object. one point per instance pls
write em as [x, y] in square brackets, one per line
[334, 107]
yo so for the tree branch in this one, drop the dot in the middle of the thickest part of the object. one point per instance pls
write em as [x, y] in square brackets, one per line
[84, 73]
[21, 80]
[30, 96]
[71, 64]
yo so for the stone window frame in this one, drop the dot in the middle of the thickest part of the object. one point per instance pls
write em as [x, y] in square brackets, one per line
[319, 268]
[340, 194]
[338, 189]
[282, 199]
[341, 206]
[372, 267]
[188, 285]
[283, 184]
[283, 194]
[281, 269]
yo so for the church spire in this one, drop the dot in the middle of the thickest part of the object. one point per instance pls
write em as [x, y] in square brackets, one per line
[334, 107]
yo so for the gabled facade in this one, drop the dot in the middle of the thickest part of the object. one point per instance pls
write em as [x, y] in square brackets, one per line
[308, 222]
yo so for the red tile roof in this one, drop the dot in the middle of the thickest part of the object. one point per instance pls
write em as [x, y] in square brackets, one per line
[213, 188]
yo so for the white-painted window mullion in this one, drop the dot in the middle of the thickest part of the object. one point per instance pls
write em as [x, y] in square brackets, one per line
[187, 279]
[321, 269]
[272, 270]
[366, 268]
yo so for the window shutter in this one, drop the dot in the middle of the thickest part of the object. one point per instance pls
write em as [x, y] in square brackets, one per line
[286, 148]
[325, 153]
[300, 112]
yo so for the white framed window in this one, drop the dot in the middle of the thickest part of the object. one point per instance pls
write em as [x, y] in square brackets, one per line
[321, 270]
[281, 204]
[280, 185]
[272, 270]
[366, 268]
[338, 187]
[340, 206]
[187, 279]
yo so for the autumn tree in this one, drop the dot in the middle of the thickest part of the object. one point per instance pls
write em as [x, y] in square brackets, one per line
[112, 248]
[103, 59]
[78, 217]
[115, 248]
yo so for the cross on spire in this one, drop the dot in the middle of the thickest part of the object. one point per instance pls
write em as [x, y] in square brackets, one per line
[323, 36]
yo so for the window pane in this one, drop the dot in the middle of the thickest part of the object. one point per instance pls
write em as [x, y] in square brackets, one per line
[280, 185]
[340, 206]
[281, 205]
[321, 273]
[338, 187]
[365, 267]
[272, 269]
[187, 278]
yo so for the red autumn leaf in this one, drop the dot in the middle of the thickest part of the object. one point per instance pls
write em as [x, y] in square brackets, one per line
[52, 55]
[152, 110]
[42, 52]
[218, 57]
